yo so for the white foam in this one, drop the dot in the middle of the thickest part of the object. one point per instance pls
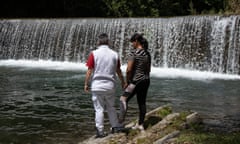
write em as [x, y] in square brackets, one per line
[44, 64]
[156, 72]
[191, 74]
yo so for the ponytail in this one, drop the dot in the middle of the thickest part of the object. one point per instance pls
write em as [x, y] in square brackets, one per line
[139, 37]
[144, 43]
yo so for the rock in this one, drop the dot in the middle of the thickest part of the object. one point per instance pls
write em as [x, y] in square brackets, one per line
[193, 118]
[161, 126]
[167, 137]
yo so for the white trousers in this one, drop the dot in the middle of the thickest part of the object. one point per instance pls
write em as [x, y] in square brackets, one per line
[102, 100]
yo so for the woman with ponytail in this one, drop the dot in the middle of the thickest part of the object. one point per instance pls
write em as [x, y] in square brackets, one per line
[138, 78]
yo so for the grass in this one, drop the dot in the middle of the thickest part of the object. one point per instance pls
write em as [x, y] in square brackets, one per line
[196, 135]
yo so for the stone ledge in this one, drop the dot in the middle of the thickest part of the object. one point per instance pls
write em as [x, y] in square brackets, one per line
[161, 125]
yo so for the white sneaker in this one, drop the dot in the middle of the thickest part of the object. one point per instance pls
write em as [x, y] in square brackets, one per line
[139, 127]
[135, 127]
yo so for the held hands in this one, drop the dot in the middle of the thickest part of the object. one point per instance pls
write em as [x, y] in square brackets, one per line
[124, 85]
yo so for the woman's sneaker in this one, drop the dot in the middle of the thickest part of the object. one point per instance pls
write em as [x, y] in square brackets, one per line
[139, 127]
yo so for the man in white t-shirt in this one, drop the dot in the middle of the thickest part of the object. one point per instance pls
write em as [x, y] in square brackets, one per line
[103, 65]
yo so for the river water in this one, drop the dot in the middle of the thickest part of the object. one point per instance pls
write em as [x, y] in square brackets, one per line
[44, 102]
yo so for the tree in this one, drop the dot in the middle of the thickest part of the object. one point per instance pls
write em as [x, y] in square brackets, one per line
[133, 8]
[208, 6]
[115, 8]
[232, 6]
[146, 8]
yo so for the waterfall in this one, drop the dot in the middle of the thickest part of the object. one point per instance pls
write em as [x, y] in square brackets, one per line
[205, 43]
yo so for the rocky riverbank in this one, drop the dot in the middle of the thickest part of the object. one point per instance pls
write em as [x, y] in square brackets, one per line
[162, 125]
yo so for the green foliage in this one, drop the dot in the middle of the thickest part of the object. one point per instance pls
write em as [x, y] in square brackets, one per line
[192, 10]
[156, 8]
[117, 8]
[232, 6]
[134, 8]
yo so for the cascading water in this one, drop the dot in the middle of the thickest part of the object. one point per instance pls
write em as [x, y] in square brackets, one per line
[42, 98]
[207, 43]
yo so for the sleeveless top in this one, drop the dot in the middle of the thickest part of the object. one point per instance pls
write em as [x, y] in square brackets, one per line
[105, 63]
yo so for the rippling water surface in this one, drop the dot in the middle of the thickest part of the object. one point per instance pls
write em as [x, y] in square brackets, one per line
[49, 106]
[43, 105]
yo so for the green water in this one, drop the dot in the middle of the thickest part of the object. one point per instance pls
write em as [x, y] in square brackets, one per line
[49, 106]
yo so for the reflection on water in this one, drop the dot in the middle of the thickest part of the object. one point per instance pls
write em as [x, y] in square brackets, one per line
[49, 106]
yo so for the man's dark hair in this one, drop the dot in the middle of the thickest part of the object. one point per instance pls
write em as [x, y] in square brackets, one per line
[103, 39]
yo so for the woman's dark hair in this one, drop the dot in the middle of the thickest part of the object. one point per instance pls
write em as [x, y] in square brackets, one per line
[139, 37]
[103, 39]
[144, 43]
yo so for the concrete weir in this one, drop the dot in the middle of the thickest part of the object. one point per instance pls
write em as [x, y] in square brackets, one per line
[162, 125]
